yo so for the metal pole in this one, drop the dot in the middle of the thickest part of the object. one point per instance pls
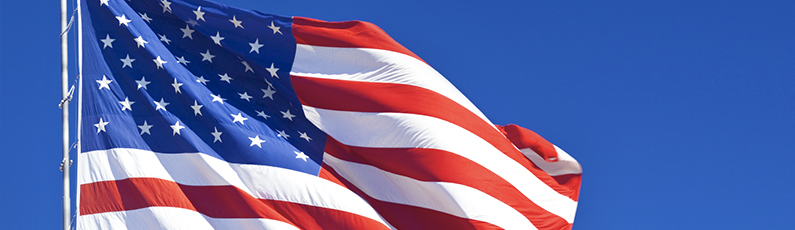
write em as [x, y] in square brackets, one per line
[65, 115]
[79, 96]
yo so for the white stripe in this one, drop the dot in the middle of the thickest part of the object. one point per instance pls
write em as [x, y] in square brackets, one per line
[450, 198]
[565, 164]
[399, 130]
[172, 218]
[374, 65]
[262, 182]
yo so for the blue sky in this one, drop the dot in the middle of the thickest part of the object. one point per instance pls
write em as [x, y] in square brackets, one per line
[680, 112]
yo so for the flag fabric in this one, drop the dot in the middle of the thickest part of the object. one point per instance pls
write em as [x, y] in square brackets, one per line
[198, 115]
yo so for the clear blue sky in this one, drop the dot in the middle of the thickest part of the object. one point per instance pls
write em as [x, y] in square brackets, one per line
[682, 113]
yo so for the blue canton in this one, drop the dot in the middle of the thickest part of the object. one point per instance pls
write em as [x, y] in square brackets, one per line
[194, 76]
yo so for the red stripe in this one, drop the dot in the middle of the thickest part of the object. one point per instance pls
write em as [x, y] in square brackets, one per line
[571, 181]
[525, 138]
[350, 34]
[390, 97]
[313, 217]
[325, 174]
[212, 201]
[439, 165]
[411, 217]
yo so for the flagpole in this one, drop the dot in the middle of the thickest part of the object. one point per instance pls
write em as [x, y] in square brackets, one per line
[65, 114]
[79, 97]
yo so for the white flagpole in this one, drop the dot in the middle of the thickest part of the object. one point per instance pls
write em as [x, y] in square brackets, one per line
[79, 94]
[65, 115]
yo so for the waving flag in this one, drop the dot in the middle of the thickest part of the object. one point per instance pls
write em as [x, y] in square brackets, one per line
[198, 115]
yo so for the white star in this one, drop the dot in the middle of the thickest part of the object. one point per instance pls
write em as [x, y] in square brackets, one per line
[161, 104]
[303, 135]
[301, 155]
[275, 29]
[104, 82]
[196, 108]
[238, 118]
[207, 56]
[176, 86]
[245, 96]
[236, 22]
[142, 83]
[283, 134]
[199, 14]
[145, 18]
[217, 38]
[140, 41]
[262, 114]
[273, 70]
[126, 104]
[101, 125]
[248, 68]
[103, 2]
[166, 5]
[255, 46]
[181, 60]
[268, 92]
[218, 98]
[225, 78]
[187, 32]
[287, 115]
[145, 128]
[163, 38]
[159, 62]
[127, 61]
[107, 41]
[123, 20]
[256, 141]
[201, 79]
[216, 135]
[176, 127]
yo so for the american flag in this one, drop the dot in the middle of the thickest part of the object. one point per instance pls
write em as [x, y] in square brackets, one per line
[198, 115]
